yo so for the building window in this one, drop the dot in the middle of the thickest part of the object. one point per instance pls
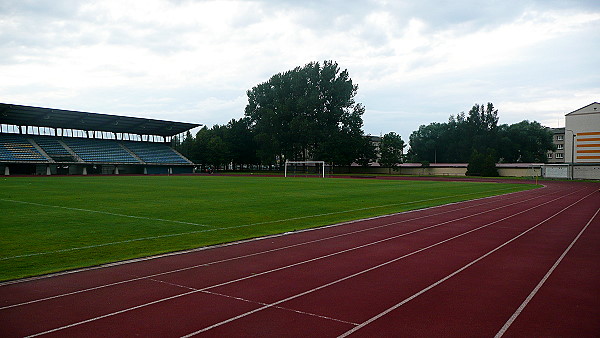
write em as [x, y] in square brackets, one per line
[560, 155]
[560, 137]
[560, 146]
[549, 155]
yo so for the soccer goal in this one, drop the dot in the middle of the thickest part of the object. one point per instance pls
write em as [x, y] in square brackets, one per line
[304, 168]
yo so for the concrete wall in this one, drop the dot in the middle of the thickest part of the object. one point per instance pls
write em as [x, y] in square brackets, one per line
[437, 171]
[520, 172]
[588, 172]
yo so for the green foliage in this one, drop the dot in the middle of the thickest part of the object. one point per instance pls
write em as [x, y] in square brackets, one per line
[526, 142]
[221, 145]
[46, 227]
[455, 141]
[307, 112]
[391, 149]
[366, 151]
[482, 164]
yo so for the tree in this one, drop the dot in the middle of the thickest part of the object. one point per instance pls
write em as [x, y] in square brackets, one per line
[240, 142]
[367, 153]
[209, 147]
[481, 129]
[307, 112]
[186, 146]
[391, 149]
[478, 130]
[429, 141]
[525, 141]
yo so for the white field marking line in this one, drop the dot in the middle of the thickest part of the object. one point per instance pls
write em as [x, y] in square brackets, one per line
[201, 231]
[101, 212]
[274, 270]
[372, 319]
[279, 249]
[252, 301]
[365, 271]
[542, 281]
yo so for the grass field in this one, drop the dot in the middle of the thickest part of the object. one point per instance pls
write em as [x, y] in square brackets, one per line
[50, 224]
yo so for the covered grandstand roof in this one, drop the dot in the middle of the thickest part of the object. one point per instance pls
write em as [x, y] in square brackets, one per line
[67, 119]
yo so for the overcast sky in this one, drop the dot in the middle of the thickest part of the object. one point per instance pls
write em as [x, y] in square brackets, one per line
[415, 61]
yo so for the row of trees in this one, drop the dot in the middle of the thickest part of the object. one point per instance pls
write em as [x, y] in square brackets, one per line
[310, 112]
[233, 143]
[478, 131]
[236, 144]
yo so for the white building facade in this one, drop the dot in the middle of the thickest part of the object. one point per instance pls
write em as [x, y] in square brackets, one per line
[582, 141]
[582, 135]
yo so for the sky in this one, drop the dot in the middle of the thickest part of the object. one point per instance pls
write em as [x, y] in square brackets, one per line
[415, 62]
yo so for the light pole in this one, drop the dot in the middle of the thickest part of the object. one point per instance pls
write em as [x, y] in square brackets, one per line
[573, 135]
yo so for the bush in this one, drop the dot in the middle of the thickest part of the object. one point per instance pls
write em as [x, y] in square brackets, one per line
[482, 165]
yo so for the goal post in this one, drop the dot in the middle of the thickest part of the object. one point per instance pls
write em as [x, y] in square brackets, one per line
[312, 168]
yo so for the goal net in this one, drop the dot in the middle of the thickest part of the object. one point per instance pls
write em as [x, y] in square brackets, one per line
[304, 168]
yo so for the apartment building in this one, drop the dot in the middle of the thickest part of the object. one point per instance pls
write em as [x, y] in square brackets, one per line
[558, 138]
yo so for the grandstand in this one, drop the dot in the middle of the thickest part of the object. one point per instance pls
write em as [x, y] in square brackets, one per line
[44, 141]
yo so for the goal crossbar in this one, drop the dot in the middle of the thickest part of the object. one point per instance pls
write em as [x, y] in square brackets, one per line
[322, 163]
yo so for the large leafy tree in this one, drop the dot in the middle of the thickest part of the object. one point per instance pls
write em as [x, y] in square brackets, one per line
[307, 112]
[367, 151]
[391, 149]
[525, 141]
[481, 129]
[240, 142]
[429, 141]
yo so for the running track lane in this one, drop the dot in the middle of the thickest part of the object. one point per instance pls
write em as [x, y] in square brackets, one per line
[457, 270]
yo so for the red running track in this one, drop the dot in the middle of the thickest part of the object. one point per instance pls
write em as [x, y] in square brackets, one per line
[524, 264]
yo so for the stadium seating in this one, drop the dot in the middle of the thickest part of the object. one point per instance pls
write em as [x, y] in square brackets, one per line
[95, 150]
[14, 147]
[51, 145]
[154, 152]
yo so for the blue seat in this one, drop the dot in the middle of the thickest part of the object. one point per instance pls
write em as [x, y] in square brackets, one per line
[15, 147]
[158, 153]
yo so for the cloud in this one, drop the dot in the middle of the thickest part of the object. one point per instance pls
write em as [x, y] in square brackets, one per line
[415, 62]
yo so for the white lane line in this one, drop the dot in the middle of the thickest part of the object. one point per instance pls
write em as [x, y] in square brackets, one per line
[205, 230]
[111, 314]
[290, 246]
[374, 318]
[368, 270]
[274, 270]
[542, 281]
